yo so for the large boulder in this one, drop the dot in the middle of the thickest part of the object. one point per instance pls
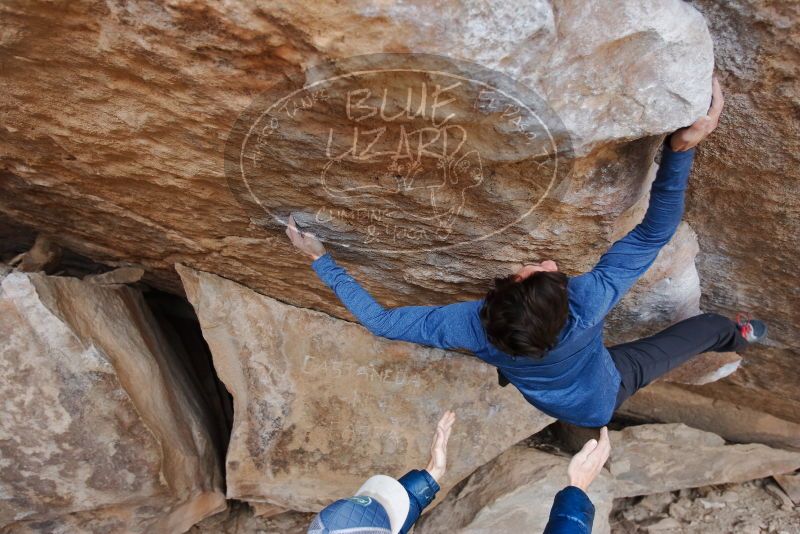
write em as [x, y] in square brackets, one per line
[649, 459]
[102, 431]
[321, 404]
[736, 421]
[569, 51]
[514, 492]
[167, 82]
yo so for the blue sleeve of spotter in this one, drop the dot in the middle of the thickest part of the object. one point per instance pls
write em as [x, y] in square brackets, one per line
[572, 513]
[421, 488]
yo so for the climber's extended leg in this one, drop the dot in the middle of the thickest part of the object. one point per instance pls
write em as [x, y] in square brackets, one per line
[642, 361]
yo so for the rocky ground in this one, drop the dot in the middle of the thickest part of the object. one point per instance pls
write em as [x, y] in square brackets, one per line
[755, 507]
[240, 519]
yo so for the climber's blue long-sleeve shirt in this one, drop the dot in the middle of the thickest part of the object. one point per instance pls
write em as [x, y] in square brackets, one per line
[576, 381]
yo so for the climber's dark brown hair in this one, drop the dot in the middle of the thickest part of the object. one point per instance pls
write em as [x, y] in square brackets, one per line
[524, 318]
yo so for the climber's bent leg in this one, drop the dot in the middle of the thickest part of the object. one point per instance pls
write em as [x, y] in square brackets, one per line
[642, 361]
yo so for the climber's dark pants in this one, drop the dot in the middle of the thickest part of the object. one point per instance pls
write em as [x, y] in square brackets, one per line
[642, 361]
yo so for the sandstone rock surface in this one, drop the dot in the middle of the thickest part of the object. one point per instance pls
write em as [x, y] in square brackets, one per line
[121, 275]
[741, 204]
[75, 174]
[649, 459]
[321, 404]
[790, 483]
[239, 518]
[167, 83]
[76, 170]
[44, 255]
[513, 493]
[569, 51]
[743, 197]
[740, 422]
[101, 432]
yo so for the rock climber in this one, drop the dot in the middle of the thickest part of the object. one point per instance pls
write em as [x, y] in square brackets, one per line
[384, 505]
[543, 330]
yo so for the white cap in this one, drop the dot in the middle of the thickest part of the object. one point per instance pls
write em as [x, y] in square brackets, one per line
[391, 495]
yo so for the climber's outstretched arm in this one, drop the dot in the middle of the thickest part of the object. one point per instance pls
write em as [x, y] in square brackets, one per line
[446, 327]
[599, 290]
[628, 258]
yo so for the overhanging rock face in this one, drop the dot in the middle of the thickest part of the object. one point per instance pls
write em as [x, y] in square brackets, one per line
[100, 432]
[569, 51]
[145, 158]
[321, 404]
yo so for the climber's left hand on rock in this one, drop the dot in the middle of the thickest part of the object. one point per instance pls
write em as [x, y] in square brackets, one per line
[687, 138]
[438, 463]
[305, 242]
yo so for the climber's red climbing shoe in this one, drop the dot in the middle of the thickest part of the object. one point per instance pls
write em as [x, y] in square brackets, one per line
[753, 330]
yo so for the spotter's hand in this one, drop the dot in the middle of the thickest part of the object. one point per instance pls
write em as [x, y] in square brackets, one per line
[589, 461]
[438, 463]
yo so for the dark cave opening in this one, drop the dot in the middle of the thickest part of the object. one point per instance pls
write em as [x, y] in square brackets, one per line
[177, 319]
[174, 315]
